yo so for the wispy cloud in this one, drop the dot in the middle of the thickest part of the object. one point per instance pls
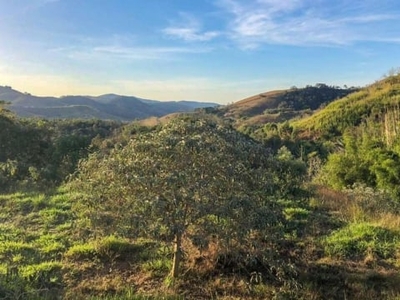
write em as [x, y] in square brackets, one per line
[299, 22]
[34, 4]
[190, 29]
[119, 52]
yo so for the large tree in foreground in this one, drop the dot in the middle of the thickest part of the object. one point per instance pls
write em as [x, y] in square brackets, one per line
[193, 178]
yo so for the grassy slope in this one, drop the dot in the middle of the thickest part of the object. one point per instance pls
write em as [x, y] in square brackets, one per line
[254, 105]
[354, 108]
[43, 253]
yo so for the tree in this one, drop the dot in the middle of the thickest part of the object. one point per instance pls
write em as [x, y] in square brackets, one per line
[194, 178]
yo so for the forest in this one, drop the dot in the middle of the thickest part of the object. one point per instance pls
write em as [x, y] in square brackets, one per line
[207, 205]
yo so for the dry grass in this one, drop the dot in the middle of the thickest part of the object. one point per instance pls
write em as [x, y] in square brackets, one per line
[337, 202]
[255, 105]
[389, 221]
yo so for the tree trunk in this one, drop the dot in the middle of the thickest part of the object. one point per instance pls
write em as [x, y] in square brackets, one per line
[175, 272]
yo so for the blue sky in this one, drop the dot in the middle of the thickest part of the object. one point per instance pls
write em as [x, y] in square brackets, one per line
[206, 50]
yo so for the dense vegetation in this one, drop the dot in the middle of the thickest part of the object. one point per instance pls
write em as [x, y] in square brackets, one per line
[197, 209]
[41, 153]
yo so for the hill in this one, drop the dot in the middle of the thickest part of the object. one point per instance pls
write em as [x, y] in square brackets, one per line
[377, 102]
[281, 105]
[106, 107]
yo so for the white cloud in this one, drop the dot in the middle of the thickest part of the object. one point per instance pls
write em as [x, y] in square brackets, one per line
[190, 34]
[190, 30]
[118, 52]
[300, 22]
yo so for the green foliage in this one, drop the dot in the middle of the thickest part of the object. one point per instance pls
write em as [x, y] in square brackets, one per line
[171, 180]
[311, 97]
[51, 245]
[278, 106]
[292, 174]
[358, 240]
[365, 160]
[39, 153]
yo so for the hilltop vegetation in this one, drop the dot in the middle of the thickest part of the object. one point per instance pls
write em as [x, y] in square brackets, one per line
[202, 206]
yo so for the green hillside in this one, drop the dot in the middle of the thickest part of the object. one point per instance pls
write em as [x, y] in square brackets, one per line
[370, 103]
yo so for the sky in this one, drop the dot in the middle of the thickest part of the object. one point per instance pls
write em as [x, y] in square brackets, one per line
[204, 50]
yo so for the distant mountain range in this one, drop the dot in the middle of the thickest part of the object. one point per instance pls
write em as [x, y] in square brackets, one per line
[109, 106]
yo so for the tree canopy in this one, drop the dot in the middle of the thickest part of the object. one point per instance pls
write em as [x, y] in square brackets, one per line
[194, 178]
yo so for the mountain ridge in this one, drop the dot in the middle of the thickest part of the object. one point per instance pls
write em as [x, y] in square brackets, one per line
[107, 106]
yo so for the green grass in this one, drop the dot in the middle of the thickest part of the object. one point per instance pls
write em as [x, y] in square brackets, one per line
[33, 237]
[42, 258]
[296, 213]
[358, 240]
[81, 252]
[158, 266]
